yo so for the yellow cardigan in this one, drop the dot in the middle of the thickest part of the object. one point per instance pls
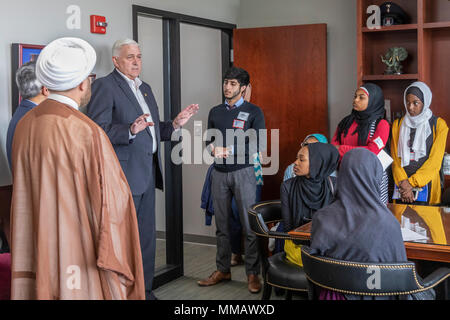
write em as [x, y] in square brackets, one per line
[429, 171]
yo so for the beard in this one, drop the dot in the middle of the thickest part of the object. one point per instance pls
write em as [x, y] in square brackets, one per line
[233, 95]
[86, 98]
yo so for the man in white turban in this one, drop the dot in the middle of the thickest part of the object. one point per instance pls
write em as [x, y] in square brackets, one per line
[73, 222]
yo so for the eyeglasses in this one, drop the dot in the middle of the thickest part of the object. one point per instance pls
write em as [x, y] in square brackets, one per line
[92, 78]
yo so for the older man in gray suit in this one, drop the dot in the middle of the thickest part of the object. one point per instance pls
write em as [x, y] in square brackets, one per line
[124, 106]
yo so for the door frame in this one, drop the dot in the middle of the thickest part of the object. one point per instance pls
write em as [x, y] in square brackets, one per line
[174, 267]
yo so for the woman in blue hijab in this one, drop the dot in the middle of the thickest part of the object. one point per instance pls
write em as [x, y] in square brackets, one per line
[312, 138]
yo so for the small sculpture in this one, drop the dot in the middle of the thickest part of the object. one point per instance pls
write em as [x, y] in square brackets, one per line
[393, 59]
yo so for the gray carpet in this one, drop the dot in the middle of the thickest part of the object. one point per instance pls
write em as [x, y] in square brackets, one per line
[199, 263]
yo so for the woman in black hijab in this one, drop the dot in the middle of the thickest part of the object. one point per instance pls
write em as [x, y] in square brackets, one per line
[358, 226]
[311, 190]
[365, 127]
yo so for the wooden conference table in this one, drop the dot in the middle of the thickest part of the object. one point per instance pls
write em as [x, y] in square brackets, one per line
[433, 223]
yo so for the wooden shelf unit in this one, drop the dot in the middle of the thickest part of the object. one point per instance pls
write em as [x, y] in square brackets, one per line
[427, 39]
[392, 28]
[437, 25]
[384, 77]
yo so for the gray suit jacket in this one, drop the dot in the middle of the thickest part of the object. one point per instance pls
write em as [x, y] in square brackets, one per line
[114, 107]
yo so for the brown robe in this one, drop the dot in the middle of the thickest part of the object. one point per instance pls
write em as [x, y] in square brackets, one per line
[73, 223]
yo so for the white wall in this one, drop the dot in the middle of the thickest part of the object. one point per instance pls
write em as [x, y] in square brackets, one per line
[340, 16]
[28, 21]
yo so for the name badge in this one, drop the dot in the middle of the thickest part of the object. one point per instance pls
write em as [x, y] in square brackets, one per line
[243, 116]
[379, 142]
[238, 124]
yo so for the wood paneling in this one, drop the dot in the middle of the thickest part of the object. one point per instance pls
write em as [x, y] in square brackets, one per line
[288, 72]
[437, 10]
[439, 73]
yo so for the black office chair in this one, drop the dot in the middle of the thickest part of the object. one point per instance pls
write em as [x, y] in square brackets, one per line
[395, 279]
[277, 271]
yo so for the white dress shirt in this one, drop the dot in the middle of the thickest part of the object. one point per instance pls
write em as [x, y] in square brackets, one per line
[64, 100]
[134, 86]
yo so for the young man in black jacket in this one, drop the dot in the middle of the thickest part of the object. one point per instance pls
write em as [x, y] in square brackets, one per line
[234, 144]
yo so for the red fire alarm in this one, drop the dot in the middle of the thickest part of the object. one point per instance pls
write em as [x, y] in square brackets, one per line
[98, 24]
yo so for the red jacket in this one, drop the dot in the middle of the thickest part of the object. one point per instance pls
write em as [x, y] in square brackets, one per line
[374, 144]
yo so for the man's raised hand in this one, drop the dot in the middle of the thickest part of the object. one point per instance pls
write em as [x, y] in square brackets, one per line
[184, 116]
[140, 124]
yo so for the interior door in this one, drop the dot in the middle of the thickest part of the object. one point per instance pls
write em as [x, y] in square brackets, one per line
[288, 73]
[201, 83]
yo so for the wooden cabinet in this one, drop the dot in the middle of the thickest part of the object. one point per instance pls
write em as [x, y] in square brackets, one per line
[288, 72]
[427, 39]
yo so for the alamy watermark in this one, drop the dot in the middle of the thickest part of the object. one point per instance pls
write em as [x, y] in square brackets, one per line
[193, 149]
[374, 20]
[73, 22]
[374, 280]
[73, 281]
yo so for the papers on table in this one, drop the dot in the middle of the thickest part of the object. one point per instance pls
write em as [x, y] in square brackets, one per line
[409, 235]
[385, 159]
[413, 231]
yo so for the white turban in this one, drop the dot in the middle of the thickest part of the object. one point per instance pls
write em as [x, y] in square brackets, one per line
[65, 63]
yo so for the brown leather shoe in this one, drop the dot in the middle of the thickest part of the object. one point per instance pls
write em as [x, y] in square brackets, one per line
[236, 259]
[215, 278]
[254, 285]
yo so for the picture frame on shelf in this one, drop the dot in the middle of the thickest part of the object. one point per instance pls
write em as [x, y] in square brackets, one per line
[21, 53]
